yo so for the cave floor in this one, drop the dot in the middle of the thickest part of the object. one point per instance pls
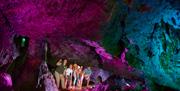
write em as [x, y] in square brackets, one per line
[84, 88]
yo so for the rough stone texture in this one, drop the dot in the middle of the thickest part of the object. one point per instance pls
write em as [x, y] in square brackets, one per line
[47, 78]
[5, 82]
[150, 29]
[152, 37]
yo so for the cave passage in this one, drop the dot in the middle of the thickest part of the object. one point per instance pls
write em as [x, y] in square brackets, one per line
[89, 45]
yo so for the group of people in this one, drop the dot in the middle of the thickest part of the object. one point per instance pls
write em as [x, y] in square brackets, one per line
[72, 76]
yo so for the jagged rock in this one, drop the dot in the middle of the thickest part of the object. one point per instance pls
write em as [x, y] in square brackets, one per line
[149, 29]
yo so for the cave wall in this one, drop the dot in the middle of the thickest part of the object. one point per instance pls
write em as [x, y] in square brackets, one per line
[150, 29]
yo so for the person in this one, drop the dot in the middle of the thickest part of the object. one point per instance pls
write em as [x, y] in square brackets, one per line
[65, 67]
[59, 73]
[75, 75]
[78, 75]
[81, 77]
[68, 75]
[64, 63]
[87, 74]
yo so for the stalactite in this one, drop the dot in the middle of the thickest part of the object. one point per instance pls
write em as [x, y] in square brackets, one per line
[47, 78]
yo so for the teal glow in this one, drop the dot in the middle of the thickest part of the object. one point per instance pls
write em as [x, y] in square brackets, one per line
[23, 42]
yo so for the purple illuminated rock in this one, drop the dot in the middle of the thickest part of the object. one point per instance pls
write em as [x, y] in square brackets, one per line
[118, 66]
[5, 82]
[47, 78]
[99, 50]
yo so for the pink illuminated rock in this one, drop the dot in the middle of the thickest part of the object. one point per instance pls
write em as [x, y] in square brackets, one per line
[99, 50]
[5, 82]
[118, 66]
[47, 78]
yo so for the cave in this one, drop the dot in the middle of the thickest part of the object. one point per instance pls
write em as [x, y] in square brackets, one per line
[89, 45]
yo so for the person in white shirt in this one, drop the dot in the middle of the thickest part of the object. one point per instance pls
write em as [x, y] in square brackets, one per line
[68, 75]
